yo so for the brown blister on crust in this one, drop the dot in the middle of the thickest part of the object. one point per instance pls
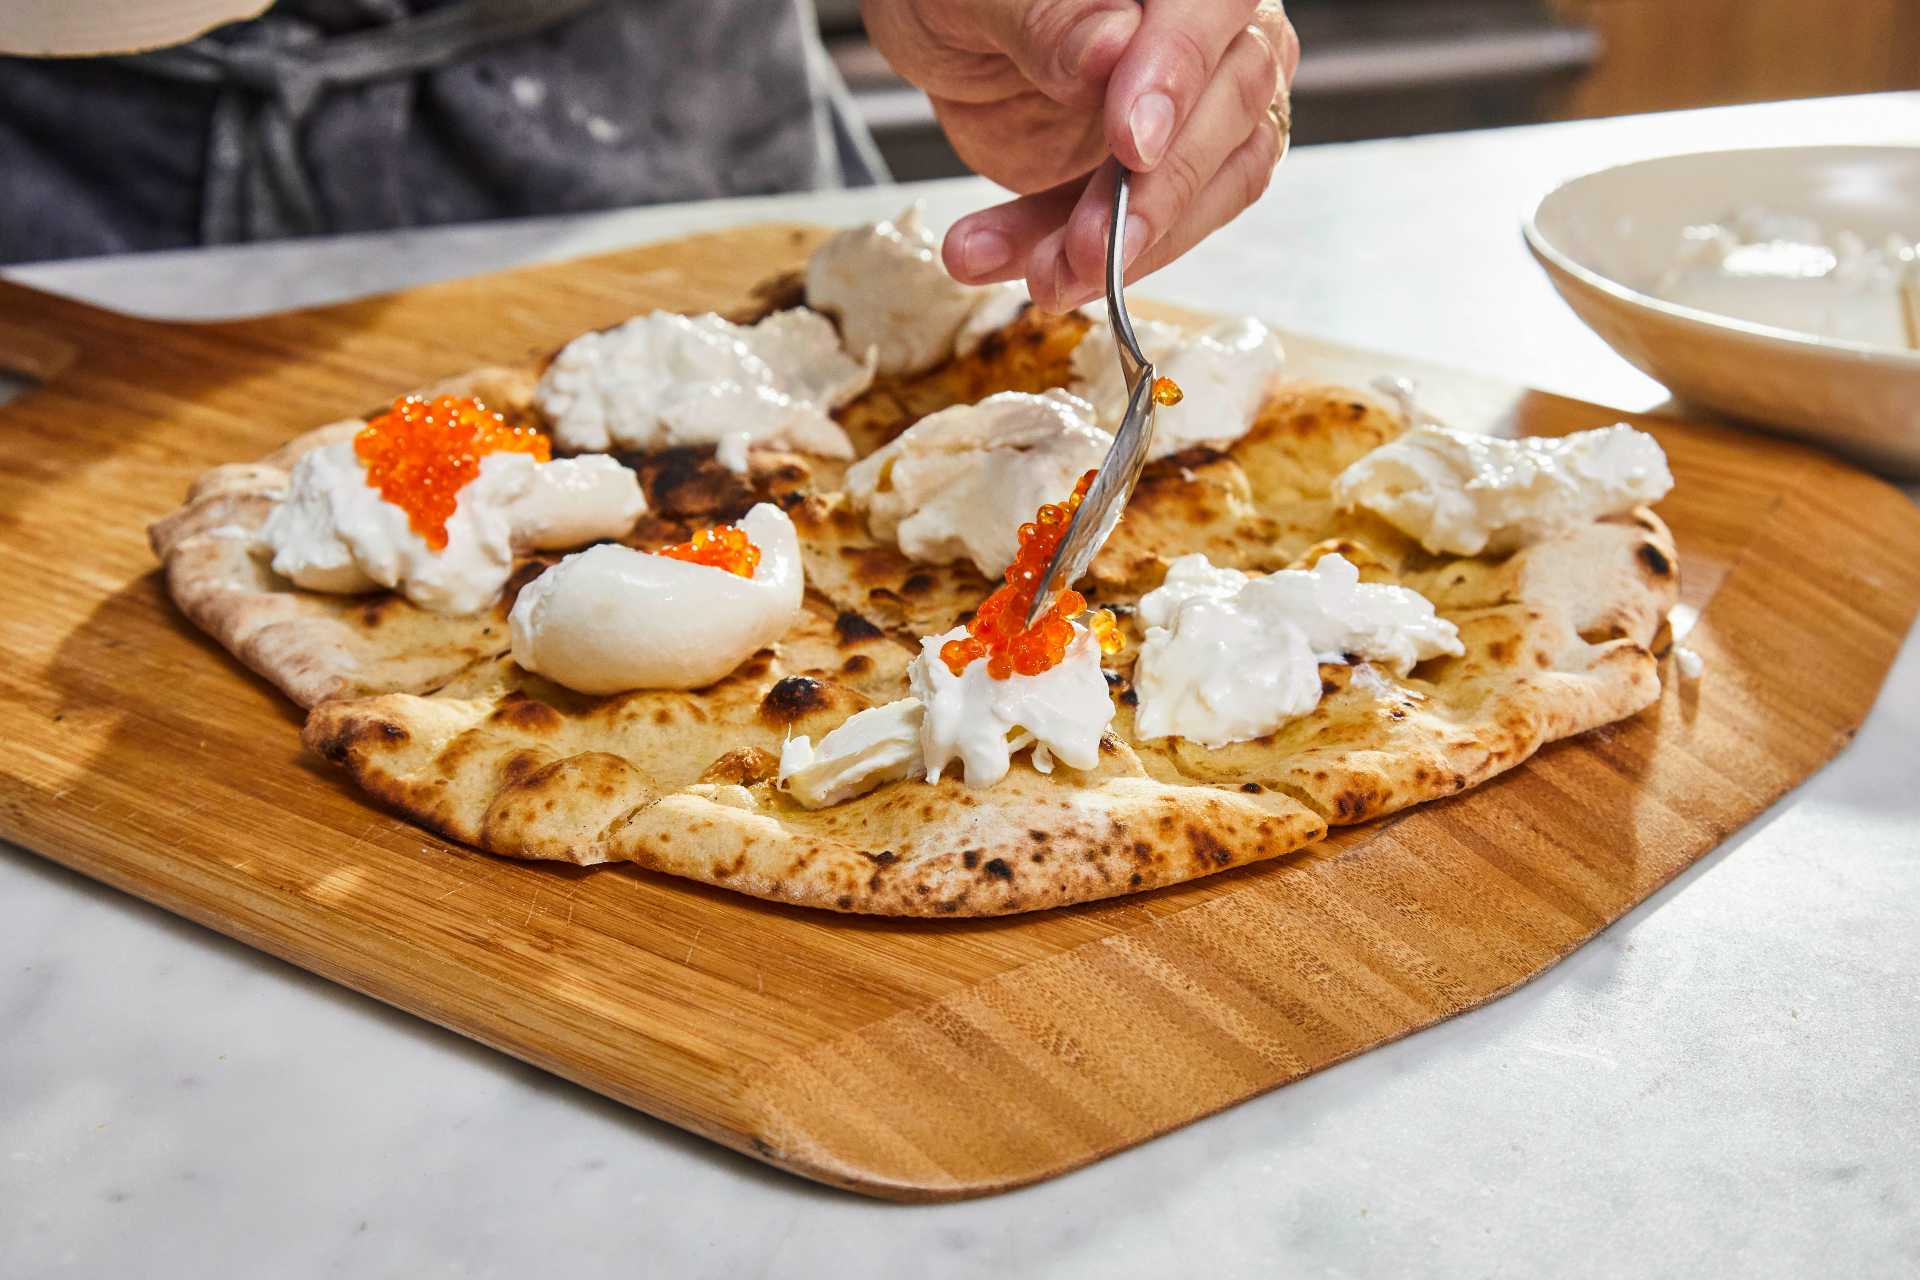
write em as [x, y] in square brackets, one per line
[743, 767]
[686, 483]
[517, 766]
[849, 627]
[1656, 559]
[686, 486]
[792, 698]
[527, 715]
[874, 566]
[1207, 847]
[340, 740]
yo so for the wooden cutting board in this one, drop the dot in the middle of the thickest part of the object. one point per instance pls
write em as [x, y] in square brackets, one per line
[914, 1060]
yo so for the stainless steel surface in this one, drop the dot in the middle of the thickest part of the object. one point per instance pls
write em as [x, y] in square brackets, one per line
[1120, 471]
[1470, 59]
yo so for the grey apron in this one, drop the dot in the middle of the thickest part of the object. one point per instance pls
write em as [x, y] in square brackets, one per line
[354, 115]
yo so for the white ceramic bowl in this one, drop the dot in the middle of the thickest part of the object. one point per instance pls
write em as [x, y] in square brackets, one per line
[1608, 236]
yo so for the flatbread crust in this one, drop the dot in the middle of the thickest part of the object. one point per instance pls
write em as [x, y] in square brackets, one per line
[427, 715]
[314, 646]
[681, 782]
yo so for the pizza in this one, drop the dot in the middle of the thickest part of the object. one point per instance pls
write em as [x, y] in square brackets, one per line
[741, 598]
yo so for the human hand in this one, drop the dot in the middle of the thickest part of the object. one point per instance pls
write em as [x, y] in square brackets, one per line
[1189, 94]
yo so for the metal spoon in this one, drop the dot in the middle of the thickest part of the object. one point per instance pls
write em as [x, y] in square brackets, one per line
[1100, 510]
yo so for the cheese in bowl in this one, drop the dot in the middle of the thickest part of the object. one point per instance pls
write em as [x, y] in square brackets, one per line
[1791, 271]
[1774, 285]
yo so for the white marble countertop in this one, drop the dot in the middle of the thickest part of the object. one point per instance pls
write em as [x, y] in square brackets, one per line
[1723, 1082]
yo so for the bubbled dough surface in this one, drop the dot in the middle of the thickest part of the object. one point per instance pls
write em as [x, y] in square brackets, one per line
[429, 718]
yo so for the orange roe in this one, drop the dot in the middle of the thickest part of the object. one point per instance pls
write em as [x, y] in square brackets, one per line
[997, 632]
[1167, 392]
[721, 547]
[421, 453]
[1106, 631]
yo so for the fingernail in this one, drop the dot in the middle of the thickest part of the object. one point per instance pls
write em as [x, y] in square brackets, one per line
[1059, 282]
[984, 251]
[1136, 240]
[1151, 124]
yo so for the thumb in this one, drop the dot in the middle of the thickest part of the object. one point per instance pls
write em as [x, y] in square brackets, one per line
[1065, 48]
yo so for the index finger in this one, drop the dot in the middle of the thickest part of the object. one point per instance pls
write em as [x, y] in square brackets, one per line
[1159, 78]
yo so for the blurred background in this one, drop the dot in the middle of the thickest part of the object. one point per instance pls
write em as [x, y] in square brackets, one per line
[1388, 68]
[315, 117]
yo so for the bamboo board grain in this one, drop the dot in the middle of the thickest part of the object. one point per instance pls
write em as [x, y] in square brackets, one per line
[907, 1059]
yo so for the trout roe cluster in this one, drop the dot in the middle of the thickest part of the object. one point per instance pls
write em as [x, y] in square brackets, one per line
[721, 547]
[998, 631]
[421, 453]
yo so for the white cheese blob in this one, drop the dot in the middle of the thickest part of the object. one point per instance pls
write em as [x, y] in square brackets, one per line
[983, 722]
[1229, 658]
[1224, 374]
[610, 618]
[895, 300]
[971, 717]
[870, 748]
[665, 379]
[332, 531]
[1460, 493]
[1790, 272]
[1405, 394]
[958, 484]
[732, 450]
